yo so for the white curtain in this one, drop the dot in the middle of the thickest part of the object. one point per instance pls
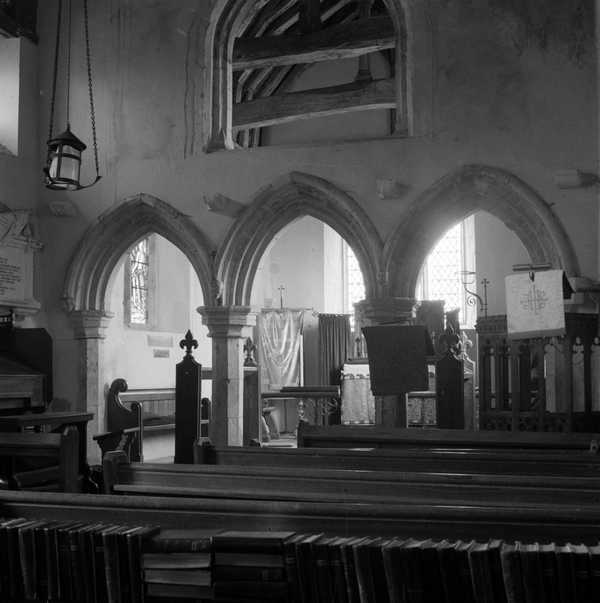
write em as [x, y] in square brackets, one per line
[280, 333]
[358, 403]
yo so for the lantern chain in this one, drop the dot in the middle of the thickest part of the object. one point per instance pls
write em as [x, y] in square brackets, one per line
[55, 74]
[89, 73]
[68, 83]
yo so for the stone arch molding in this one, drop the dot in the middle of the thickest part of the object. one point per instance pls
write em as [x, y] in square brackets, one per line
[460, 194]
[105, 242]
[294, 196]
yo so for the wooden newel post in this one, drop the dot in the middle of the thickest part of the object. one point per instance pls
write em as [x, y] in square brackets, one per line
[188, 394]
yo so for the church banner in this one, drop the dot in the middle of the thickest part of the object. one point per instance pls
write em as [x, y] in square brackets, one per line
[280, 333]
[534, 304]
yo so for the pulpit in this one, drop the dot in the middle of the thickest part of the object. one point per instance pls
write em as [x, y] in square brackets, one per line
[397, 364]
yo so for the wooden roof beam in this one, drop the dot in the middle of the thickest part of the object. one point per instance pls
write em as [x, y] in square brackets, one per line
[336, 42]
[282, 108]
[310, 15]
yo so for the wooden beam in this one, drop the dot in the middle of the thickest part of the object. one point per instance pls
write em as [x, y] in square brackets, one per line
[281, 108]
[19, 19]
[310, 15]
[336, 42]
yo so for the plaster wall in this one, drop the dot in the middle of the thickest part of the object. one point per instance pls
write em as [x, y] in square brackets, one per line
[20, 167]
[294, 261]
[499, 98]
[497, 249]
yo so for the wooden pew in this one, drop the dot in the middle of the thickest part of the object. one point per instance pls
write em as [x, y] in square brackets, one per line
[325, 485]
[57, 452]
[543, 524]
[475, 461]
[376, 436]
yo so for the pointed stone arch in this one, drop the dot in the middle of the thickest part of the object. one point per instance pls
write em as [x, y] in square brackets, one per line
[460, 194]
[104, 243]
[294, 196]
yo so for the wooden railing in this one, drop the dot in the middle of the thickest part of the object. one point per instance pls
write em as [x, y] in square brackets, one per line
[541, 384]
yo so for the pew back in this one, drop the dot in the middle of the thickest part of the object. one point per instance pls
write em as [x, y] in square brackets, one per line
[377, 436]
[552, 523]
[424, 459]
[281, 483]
[60, 450]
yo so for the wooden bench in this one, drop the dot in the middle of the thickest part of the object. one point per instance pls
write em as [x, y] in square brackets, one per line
[375, 436]
[548, 523]
[496, 461]
[52, 460]
[326, 485]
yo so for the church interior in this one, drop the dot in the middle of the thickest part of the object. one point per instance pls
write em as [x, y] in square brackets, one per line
[295, 285]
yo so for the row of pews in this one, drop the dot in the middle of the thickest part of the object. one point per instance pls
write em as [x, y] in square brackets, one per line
[461, 486]
[41, 461]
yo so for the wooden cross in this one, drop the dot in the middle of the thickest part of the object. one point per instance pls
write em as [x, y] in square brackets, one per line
[281, 289]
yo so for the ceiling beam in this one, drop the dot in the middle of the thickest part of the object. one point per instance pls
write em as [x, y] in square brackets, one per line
[336, 42]
[310, 15]
[282, 108]
[19, 19]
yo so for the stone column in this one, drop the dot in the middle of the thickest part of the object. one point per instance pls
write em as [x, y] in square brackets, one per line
[89, 329]
[389, 410]
[229, 326]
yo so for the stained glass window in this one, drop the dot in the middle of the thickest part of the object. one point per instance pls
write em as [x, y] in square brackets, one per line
[139, 263]
[440, 276]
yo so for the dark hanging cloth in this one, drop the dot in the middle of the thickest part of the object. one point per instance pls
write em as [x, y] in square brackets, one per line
[397, 358]
[335, 346]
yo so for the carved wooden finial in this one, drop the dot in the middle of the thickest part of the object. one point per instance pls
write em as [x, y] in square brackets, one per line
[189, 343]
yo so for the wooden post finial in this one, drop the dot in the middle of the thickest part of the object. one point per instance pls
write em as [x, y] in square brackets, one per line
[189, 343]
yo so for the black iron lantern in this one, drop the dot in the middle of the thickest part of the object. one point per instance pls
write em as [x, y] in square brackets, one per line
[63, 162]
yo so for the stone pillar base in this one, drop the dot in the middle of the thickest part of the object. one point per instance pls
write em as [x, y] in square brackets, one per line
[229, 326]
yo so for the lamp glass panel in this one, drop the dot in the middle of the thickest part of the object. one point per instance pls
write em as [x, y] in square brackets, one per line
[69, 169]
[53, 169]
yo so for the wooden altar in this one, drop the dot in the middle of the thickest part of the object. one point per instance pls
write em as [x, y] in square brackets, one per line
[323, 400]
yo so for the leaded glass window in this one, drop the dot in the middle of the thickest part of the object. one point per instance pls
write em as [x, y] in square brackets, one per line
[139, 271]
[440, 277]
[355, 284]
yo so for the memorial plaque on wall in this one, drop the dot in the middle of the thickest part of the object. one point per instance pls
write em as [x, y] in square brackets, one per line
[534, 304]
[13, 273]
[17, 249]
[397, 358]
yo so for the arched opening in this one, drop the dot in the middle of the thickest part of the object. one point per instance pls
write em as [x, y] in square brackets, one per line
[460, 194]
[303, 290]
[511, 217]
[154, 292]
[91, 302]
[294, 196]
[249, 78]
[462, 258]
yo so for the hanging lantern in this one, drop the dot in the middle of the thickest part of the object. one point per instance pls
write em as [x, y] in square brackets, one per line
[63, 162]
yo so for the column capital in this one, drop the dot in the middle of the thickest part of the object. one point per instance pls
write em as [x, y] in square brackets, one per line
[90, 324]
[228, 321]
[381, 310]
